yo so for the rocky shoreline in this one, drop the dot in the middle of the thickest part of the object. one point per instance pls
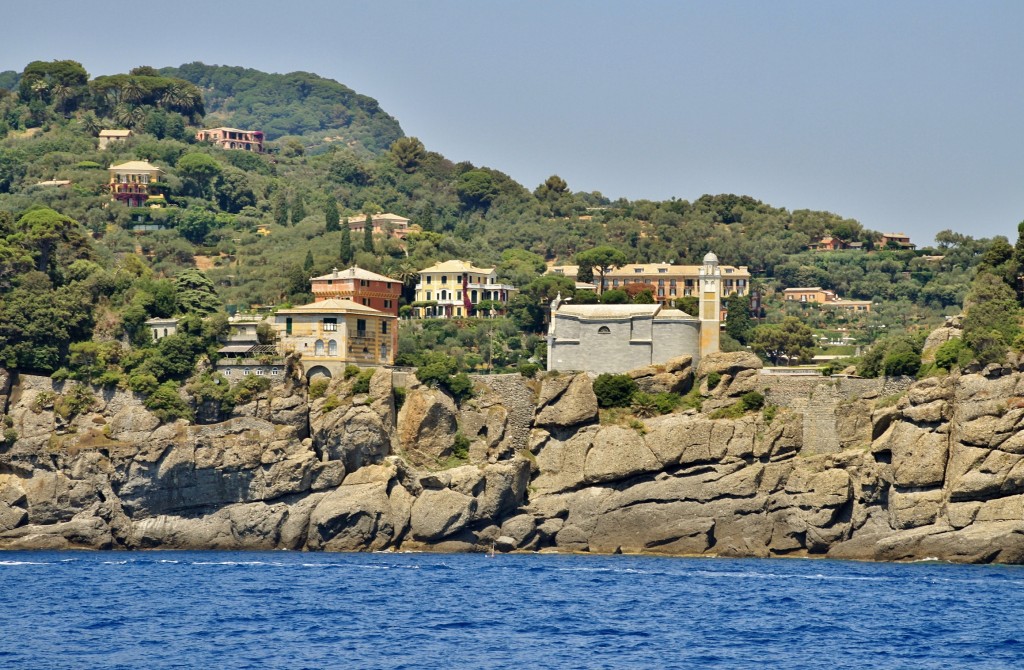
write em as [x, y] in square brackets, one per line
[935, 471]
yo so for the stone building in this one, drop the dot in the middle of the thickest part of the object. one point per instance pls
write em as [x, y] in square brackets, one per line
[108, 137]
[334, 333]
[618, 338]
[161, 328]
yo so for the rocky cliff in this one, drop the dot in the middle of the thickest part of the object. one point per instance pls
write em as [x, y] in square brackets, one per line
[834, 468]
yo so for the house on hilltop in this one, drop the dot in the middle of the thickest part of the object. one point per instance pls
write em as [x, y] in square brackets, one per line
[386, 225]
[825, 297]
[360, 286]
[233, 139]
[133, 183]
[898, 240]
[108, 137]
[455, 288]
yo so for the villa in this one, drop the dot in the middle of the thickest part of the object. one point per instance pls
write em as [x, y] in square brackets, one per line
[455, 288]
[132, 183]
[233, 138]
[360, 286]
[387, 225]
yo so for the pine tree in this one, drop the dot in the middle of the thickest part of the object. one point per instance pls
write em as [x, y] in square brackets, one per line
[346, 244]
[368, 234]
[280, 209]
[298, 209]
[307, 265]
[331, 214]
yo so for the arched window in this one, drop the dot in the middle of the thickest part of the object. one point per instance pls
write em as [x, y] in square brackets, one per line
[604, 330]
[318, 348]
[332, 348]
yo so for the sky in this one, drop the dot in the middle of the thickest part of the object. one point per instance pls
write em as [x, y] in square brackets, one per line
[906, 116]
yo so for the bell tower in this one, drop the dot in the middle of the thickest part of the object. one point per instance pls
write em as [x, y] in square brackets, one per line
[710, 304]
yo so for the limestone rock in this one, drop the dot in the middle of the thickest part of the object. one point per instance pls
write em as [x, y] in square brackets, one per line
[728, 363]
[438, 514]
[566, 401]
[618, 453]
[427, 425]
[355, 437]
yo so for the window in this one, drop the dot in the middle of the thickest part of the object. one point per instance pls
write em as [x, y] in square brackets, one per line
[360, 327]
[245, 371]
[604, 330]
[288, 326]
[332, 348]
[444, 279]
[156, 334]
[165, 332]
[387, 304]
[275, 371]
[384, 327]
[638, 271]
[330, 324]
[430, 280]
[662, 269]
[363, 282]
[458, 295]
[428, 295]
[260, 371]
[318, 348]
[366, 301]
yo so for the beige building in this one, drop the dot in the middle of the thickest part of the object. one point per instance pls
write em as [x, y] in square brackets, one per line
[108, 137]
[387, 225]
[666, 281]
[455, 288]
[333, 333]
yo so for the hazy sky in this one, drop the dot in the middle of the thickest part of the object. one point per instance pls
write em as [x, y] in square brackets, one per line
[907, 116]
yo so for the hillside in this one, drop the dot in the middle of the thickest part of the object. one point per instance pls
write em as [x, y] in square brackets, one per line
[75, 268]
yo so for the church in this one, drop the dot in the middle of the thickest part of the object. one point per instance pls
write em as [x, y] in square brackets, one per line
[618, 338]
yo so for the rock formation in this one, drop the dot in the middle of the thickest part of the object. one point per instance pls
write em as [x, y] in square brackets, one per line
[865, 469]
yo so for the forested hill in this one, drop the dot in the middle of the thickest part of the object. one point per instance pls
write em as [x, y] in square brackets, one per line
[298, 103]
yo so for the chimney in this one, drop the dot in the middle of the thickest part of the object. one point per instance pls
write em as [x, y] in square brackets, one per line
[335, 273]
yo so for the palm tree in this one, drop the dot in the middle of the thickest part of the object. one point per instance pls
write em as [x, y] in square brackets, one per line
[132, 91]
[91, 124]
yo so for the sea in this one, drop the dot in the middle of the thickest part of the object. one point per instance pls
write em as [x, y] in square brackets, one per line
[417, 610]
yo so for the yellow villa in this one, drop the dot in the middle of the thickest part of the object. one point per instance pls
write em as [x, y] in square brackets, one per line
[132, 182]
[455, 288]
[333, 333]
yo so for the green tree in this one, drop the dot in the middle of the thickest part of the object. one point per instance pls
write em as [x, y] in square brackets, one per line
[791, 339]
[738, 322]
[601, 260]
[346, 251]
[280, 208]
[407, 153]
[614, 390]
[199, 171]
[331, 214]
[298, 209]
[476, 189]
[195, 224]
[195, 293]
[992, 317]
[307, 265]
[368, 234]
[42, 229]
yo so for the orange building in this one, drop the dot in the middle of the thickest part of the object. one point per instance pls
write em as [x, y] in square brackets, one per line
[361, 287]
[233, 138]
[823, 296]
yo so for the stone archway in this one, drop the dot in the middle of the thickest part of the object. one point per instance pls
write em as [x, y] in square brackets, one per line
[318, 372]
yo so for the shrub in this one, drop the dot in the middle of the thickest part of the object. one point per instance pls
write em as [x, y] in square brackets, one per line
[362, 384]
[614, 390]
[10, 436]
[460, 446]
[143, 383]
[752, 401]
[460, 386]
[528, 370]
[948, 355]
[733, 411]
[250, 387]
[713, 379]
[166, 404]
[667, 402]
[351, 371]
[770, 411]
[901, 360]
[79, 398]
[61, 374]
[400, 394]
[332, 403]
[643, 404]
[317, 388]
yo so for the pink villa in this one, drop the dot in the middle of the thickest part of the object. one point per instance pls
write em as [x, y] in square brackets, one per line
[233, 138]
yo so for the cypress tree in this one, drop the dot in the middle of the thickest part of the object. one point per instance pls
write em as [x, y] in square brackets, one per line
[368, 234]
[280, 209]
[346, 244]
[307, 265]
[298, 209]
[331, 214]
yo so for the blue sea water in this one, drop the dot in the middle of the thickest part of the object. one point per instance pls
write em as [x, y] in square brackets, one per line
[295, 610]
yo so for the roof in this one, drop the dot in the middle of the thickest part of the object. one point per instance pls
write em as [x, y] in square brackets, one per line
[160, 320]
[806, 288]
[608, 311]
[115, 132]
[140, 166]
[236, 349]
[643, 269]
[674, 314]
[232, 130]
[54, 182]
[354, 272]
[895, 235]
[456, 266]
[335, 305]
[388, 217]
